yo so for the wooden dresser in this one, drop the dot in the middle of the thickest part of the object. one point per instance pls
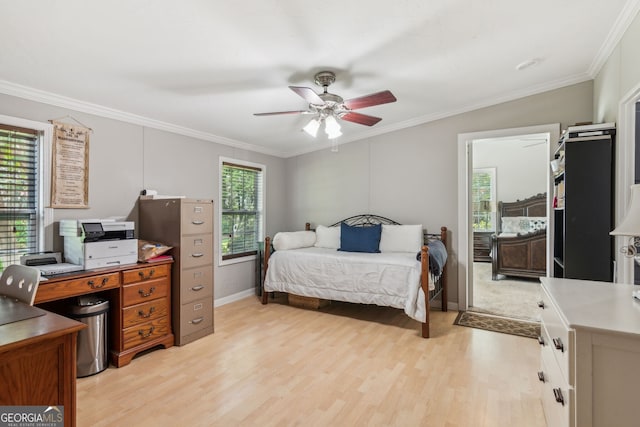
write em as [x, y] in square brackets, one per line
[187, 226]
[139, 304]
[590, 347]
[38, 363]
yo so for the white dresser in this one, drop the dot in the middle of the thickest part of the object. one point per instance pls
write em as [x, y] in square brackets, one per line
[590, 358]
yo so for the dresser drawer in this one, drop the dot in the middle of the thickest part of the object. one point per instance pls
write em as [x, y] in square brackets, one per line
[196, 283]
[145, 332]
[197, 217]
[196, 250]
[554, 388]
[49, 291]
[145, 291]
[561, 338]
[144, 312]
[196, 315]
[145, 273]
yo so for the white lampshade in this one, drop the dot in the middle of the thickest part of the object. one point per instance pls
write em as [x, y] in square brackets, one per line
[630, 225]
[312, 127]
[331, 127]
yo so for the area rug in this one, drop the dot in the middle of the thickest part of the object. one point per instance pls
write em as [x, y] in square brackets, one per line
[498, 324]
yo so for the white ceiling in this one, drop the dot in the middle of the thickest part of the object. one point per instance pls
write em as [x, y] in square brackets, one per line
[203, 67]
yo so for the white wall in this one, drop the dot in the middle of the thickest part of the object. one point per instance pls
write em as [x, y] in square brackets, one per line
[521, 167]
[125, 158]
[411, 175]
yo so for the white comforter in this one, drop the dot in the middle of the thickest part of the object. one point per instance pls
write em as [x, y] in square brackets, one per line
[385, 279]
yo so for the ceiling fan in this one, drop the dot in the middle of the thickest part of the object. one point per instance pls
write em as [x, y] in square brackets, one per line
[327, 107]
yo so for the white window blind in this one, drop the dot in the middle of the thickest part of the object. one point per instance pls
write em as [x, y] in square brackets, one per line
[19, 169]
[241, 207]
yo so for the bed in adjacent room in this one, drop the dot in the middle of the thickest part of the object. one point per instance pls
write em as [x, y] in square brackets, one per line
[519, 248]
[364, 259]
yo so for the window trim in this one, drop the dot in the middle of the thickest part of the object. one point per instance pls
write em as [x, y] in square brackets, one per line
[45, 212]
[247, 164]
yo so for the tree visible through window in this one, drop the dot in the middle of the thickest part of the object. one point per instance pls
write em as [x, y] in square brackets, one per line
[19, 193]
[483, 196]
[241, 209]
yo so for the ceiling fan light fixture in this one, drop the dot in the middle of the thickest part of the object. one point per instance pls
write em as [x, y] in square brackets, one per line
[312, 127]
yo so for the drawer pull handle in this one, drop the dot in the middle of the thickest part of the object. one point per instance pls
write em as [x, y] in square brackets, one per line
[541, 376]
[557, 393]
[541, 340]
[144, 334]
[93, 285]
[197, 222]
[541, 304]
[143, 277]
[196, 321]
[146, 294]
[197, 255]
[147, 315]
[197, 288]
[558, 344]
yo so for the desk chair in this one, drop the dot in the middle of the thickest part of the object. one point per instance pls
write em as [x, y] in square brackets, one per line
[20, 282]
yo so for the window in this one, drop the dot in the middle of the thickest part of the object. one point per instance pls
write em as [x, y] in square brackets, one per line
[483, 193]
[22, 179]
[241, 208]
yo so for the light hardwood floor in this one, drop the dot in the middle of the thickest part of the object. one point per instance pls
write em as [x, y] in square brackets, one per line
[347, 365]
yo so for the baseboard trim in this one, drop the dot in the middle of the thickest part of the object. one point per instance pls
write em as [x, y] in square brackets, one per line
[235, 297]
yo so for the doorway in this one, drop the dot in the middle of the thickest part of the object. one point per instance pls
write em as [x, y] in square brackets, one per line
[502, 148]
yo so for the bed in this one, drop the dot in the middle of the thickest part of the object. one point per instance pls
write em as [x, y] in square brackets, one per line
[519, 248]
[405, 268]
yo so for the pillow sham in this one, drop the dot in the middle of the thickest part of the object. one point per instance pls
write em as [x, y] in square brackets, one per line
[401, 238]
[360, 239]
[327, 237]
[286, 240]
[523, 224]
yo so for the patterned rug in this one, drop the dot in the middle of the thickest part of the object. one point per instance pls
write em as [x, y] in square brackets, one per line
[498, 324]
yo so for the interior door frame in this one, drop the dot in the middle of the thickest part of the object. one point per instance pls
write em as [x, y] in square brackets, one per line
[625, 176]
[465, 172]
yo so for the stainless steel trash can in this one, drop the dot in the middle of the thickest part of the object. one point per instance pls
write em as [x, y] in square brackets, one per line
[92, 340]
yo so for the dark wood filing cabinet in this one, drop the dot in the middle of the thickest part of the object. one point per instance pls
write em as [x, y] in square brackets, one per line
[187, 226]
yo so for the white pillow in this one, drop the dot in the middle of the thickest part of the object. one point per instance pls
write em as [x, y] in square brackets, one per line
[327, 237]
[283, 241]
[401, 238]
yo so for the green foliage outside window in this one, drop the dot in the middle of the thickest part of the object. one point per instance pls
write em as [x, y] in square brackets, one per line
[482, 195]
[241, 208]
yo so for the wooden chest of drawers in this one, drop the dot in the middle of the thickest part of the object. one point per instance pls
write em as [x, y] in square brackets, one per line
[187, 226]
[590, 346]
[145, 316]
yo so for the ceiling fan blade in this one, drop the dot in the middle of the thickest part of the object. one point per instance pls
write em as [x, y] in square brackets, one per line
[378, 98]
[282, 112]
[308, 94]
[361, 119]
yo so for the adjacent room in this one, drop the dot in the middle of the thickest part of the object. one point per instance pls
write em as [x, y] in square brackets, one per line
[337, 214]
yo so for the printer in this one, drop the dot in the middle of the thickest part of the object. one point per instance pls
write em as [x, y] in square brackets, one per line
[97, 243]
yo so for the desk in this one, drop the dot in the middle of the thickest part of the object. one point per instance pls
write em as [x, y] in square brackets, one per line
[139, 304]
[38, 363]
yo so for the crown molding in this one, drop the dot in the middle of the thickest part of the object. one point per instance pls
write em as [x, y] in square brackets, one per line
[37, 95]
[20, 91]
[619, 28]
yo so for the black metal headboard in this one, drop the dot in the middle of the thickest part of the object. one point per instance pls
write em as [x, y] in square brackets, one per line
[365, 220]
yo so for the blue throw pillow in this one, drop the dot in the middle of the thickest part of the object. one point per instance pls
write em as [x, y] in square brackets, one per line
[360, 239]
